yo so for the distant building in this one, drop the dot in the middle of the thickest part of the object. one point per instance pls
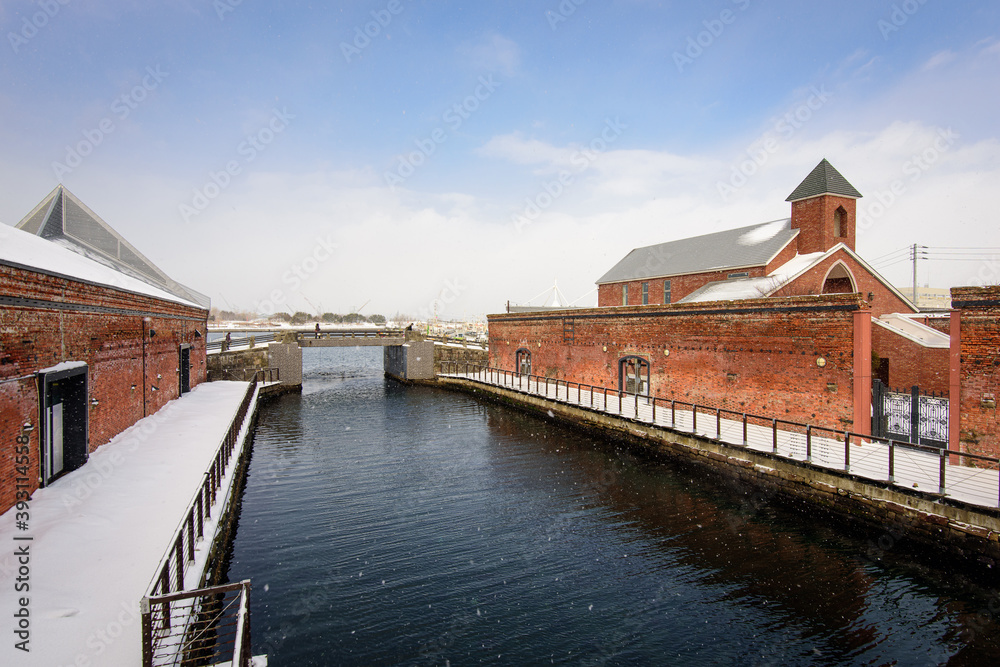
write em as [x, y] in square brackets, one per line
[93, 337]
[932, 298]
[812, 252]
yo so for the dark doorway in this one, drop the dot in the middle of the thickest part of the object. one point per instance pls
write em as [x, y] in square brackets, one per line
[64, 420]
[185, 369]
[633, 375]
[523, 361]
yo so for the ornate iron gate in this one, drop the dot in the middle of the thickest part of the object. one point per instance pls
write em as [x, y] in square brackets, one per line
[909, 416]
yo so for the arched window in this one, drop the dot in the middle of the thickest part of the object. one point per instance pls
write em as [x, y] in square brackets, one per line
[523, 361]
[839, 280]
[839, 222]
[633, 375]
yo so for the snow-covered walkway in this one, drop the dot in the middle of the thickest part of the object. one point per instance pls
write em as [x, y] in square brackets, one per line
[98, 534]
[868, 457]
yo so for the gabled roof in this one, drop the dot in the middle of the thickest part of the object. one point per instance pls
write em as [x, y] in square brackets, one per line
[824, 180]
[744, 247]
[66, 221]
[756, 288]
[21, 249]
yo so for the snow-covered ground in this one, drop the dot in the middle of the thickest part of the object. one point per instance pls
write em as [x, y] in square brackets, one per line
[98, 534]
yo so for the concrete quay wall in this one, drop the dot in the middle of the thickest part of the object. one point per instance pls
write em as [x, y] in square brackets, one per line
[966, 532]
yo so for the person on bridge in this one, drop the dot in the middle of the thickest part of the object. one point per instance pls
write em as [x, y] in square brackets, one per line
[317, 330]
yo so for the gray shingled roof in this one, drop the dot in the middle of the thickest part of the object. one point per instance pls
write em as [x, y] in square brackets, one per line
[824, 179]
[754, 245]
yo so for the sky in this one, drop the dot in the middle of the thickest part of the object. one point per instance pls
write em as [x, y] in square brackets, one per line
[443, 158]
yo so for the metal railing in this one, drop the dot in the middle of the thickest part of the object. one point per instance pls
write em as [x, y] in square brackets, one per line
[207, 626]
[264, 375]
[252, 341]
[351, 333]
[453, 340]
[180, 556]
[885, 460]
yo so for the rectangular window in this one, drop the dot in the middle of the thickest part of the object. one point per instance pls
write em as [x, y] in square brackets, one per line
[666, 292]
[624, 295]
[645, 294]
[741, 274]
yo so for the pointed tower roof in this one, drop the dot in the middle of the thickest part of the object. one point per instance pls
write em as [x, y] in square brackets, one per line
[824, 180]
[65, 220]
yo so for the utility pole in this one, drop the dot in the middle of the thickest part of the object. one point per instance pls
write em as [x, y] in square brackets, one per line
[914, 274]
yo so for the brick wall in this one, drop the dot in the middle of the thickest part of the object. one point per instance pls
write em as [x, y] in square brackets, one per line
[108, 329]
[757, 356]
[911, 363]
[680, 286]
[979, 370]
[814, 217]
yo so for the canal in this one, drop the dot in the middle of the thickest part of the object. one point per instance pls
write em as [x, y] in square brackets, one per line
[386, 525]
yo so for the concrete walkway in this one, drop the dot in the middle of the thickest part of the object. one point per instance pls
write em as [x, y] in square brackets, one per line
[95, 537]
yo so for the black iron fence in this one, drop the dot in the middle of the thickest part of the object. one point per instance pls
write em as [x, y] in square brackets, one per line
[877, 458]
[909, 415]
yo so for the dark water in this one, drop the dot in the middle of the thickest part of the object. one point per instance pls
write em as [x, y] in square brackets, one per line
[387, 525]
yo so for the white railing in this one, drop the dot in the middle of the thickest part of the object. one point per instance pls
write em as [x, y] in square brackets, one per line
[927, 469]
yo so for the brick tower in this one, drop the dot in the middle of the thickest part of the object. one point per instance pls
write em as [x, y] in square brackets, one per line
[824, 210]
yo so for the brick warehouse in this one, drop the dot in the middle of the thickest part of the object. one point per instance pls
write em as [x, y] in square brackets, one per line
[975, 369]
[93, 337]
[781, 319]
[789, 357]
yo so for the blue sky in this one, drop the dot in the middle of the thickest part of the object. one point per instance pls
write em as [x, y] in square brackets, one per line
[272, 155]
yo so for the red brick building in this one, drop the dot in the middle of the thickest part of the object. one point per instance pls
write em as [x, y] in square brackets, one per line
[803, 358]
[781, 319]
[93, 337]
[810, 253]
[975, 370]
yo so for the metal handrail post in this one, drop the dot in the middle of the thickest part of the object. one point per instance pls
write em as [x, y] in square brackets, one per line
[847, 451]
[892, 461]
[944, 463]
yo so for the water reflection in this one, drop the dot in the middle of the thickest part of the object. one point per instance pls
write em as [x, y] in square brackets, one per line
[404, 525]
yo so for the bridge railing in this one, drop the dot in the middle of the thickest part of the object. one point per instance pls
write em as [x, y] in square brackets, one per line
[926, 468]
[250, 341]
[265, 375]
[350, 333]
[454, 340]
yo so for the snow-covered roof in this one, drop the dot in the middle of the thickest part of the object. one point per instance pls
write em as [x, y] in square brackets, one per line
[915, 331]
[62, 218]
[754, 245]
[21, 249]
[754, 288]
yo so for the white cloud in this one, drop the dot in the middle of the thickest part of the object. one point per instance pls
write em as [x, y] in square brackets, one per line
[940, 58]
[493, 53]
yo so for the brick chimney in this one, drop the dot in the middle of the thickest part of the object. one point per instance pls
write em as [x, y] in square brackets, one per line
[824, 210]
